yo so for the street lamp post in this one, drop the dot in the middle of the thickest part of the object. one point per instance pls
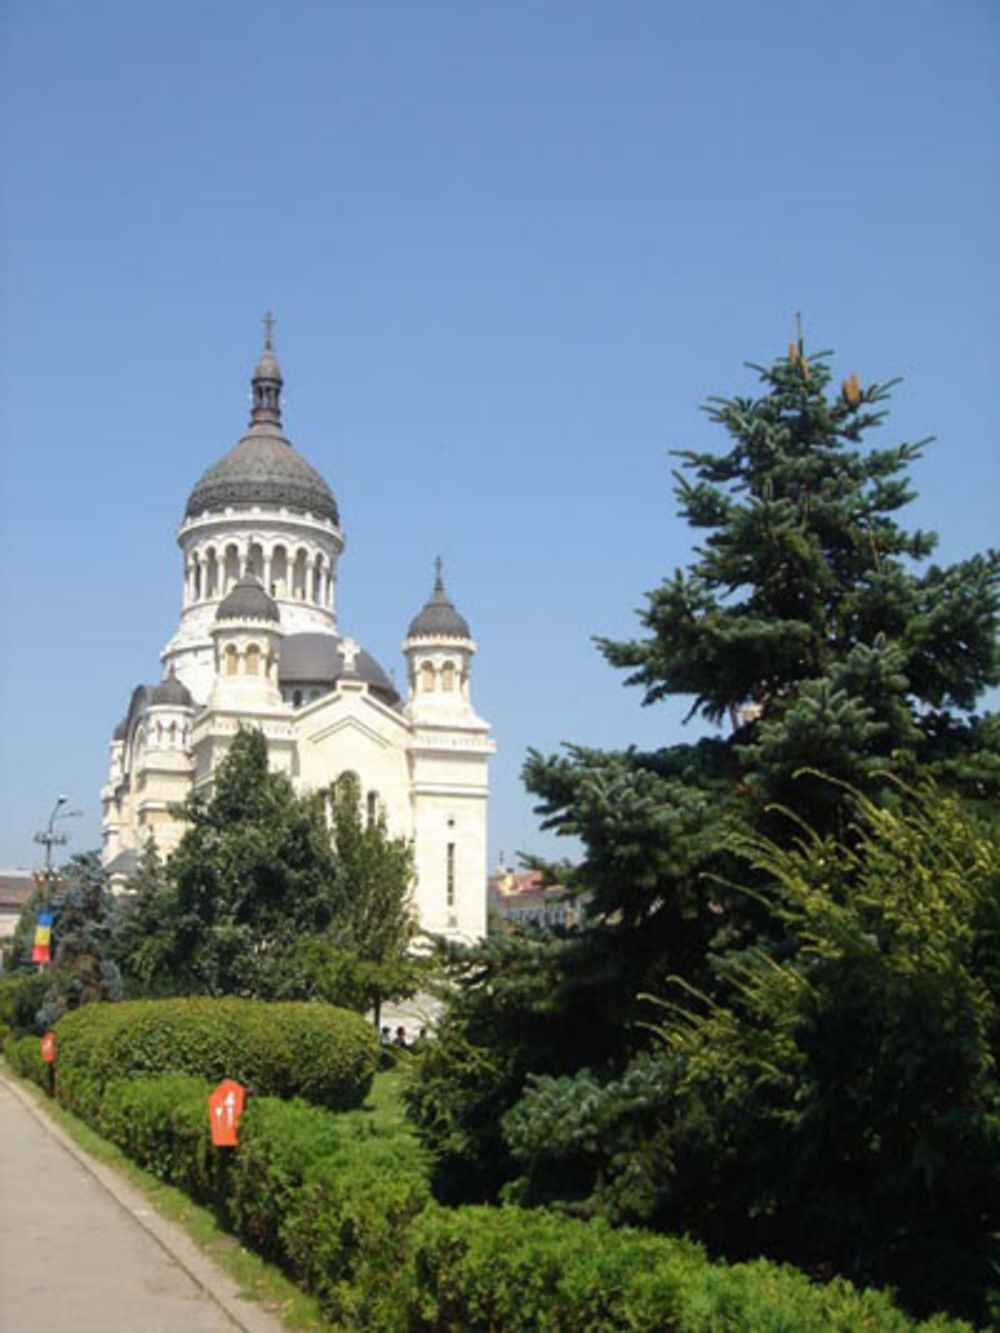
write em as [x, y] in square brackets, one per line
[49, 838]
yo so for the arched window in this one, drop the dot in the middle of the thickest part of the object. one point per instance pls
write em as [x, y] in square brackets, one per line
[211, 573]
[232, 569]
[427, 676]
[255, 561]
[279, 572]
[230, 659]
[253, 660]
[372, 808]
[300, 575]
[296, 698]
[197, 580]
[448, 676]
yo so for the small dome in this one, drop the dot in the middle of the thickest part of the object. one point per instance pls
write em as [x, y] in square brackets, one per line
[171, 691]
[247, 600]
[439, 619]
[267, 367]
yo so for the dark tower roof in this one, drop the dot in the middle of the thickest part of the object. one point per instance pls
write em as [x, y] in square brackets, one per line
[247, 600]
[439, 619]
[263, 468]
[171, 691]
[318, 659]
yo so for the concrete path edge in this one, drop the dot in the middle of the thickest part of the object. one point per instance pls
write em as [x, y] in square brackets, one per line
[214, 1281]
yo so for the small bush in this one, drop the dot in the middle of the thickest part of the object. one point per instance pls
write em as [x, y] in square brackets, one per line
[24, 1055]
[79, 1091]
[333, 1201]
[326, 1055]
[163, 1125]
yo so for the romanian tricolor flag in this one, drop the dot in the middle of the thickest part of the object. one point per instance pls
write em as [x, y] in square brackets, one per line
[43, 937]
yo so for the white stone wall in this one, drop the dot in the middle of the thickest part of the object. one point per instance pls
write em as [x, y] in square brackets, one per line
[351, 731]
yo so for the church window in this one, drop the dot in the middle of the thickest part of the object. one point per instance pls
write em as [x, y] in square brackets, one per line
[450, 875]
[296, 698]
[197, 581]
[253, 660]
[279, 572]
[448, 676]
[232, 569]
[372, 808]
[211, 574]
[230, 659]
[427, 676]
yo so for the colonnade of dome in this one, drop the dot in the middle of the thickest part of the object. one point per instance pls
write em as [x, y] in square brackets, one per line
[288, 570]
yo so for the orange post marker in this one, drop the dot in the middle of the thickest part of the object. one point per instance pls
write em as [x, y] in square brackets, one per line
[49, 1047]
[225, 1106]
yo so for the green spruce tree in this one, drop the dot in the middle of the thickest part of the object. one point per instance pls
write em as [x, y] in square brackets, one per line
[812, 634]
[83, 966]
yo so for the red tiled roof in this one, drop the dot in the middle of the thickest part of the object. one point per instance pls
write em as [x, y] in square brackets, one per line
[15, 890]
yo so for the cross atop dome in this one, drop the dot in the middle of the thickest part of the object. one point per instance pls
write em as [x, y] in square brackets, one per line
[267, 381]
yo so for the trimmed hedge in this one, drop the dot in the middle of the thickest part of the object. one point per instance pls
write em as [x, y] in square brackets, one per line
[333, 1203]
[347, 1210]
[24, 1055]
[527, 1270]
[325, 1055]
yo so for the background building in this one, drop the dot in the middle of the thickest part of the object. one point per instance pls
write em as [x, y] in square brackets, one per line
[521, 898]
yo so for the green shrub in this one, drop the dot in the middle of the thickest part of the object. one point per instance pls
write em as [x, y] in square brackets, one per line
[79, 1091]
[280, 1144]
[518, 1269]
[315, 1051]
[163, 1125]
[348, 1232]
[21, 997]
[24, 1055]
[333, 1200]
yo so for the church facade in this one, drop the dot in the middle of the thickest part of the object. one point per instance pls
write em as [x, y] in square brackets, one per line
[258, 645]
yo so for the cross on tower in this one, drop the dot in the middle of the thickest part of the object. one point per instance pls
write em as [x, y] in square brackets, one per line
[438, 566]
[269, 326]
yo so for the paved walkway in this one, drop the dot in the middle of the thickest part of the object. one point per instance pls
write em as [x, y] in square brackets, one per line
[82, 1250]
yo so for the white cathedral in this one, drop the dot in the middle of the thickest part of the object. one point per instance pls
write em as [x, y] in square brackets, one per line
[258, 646]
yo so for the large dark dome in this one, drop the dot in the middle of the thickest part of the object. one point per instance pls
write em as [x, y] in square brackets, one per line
[263, 468]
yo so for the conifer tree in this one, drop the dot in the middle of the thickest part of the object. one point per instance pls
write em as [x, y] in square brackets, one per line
[83, 969]
[812, 632]
[808, 627]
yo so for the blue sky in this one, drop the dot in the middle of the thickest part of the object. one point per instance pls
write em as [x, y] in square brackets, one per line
[511, 249]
